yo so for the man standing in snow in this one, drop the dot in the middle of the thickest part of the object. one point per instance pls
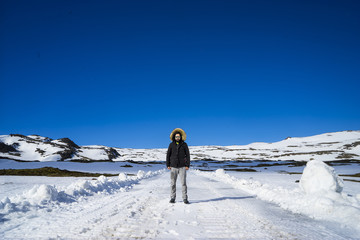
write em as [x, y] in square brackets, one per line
[178, 161]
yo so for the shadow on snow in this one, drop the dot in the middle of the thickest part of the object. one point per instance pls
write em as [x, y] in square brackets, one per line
[221, 199]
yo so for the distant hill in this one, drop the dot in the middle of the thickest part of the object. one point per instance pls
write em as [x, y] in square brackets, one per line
[326, 147]
[37, 148]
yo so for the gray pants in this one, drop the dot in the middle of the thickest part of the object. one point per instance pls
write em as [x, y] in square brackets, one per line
[173, 176]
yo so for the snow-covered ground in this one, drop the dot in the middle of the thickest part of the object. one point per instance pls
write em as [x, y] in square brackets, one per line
[267, 204]
[312, 202]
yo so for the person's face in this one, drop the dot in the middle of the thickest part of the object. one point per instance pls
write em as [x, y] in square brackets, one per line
[177, 137]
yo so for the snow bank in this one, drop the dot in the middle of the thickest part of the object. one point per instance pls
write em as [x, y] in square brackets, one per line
[322, 201]
[43, 195]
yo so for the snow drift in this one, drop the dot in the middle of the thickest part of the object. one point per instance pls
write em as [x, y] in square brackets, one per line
[41, 195]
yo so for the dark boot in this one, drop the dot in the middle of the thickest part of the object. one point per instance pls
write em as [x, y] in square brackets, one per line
[186, 201]
[172, 200]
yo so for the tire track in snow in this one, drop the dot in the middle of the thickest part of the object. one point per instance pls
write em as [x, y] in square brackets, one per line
[128, 215]
[220, 214]
[217, 210]
[83, 219]
[145, 217]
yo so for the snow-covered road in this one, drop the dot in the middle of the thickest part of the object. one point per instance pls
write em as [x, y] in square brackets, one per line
[217, 210]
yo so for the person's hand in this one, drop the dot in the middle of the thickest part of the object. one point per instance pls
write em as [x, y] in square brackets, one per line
[169, 168]
[187, 168]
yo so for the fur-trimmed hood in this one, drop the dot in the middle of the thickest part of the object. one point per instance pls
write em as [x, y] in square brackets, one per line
[178, 130]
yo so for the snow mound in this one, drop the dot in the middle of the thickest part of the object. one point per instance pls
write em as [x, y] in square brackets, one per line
[319, 178]
[43, 195]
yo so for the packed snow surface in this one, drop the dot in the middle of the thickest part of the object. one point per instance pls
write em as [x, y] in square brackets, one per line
[230, 205]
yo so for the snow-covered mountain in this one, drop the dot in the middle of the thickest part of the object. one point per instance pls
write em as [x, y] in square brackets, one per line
[37, 148]
[326, 147]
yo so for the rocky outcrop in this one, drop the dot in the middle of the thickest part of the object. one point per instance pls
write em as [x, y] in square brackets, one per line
[112, 153]
[4, 148]
[68, 142]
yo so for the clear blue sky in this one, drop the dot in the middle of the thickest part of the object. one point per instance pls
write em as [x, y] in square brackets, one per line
[125, 73]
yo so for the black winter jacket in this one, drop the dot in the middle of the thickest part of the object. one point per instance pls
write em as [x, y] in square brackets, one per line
[178, 156]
